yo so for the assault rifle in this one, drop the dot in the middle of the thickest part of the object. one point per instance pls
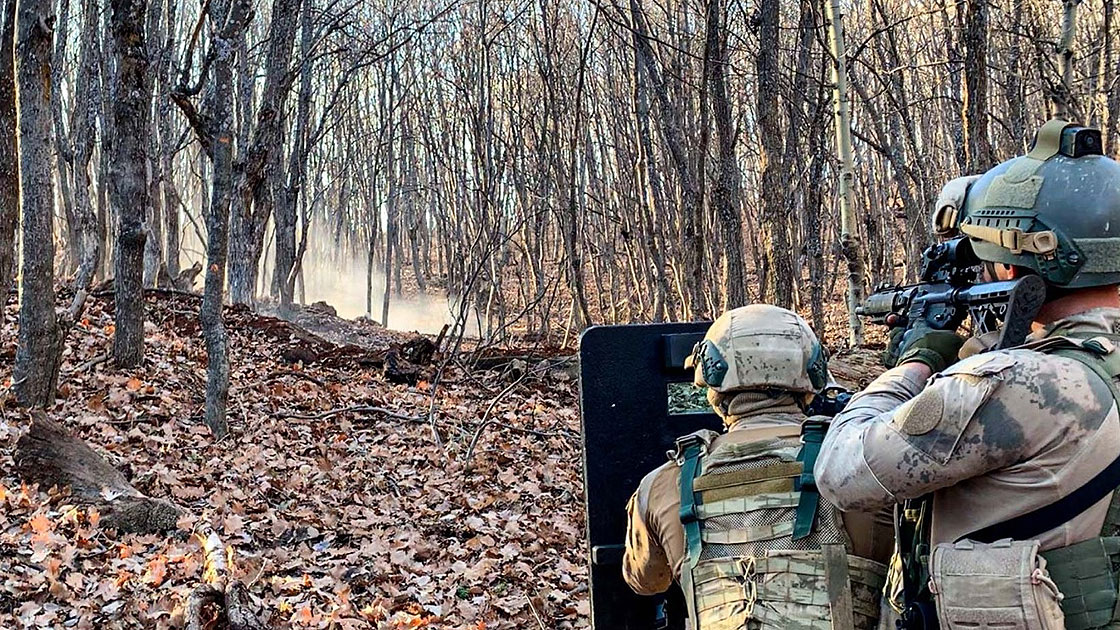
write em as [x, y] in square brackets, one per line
[951, 290]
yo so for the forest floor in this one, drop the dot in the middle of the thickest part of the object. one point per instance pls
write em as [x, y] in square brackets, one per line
[351, 519]
[337, 506]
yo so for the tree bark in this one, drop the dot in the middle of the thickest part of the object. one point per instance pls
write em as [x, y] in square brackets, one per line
[773, 191]
[979, 157]
[1013, 84]
[214, 129]
[849, 233]
[39, 349]
[262, 174]
[83, 125]
[691, 204]
[285, 219]
[1111, 129]
[725, 192]
[1064, 104]
[129, 187]
[47, 454]
[9, 152]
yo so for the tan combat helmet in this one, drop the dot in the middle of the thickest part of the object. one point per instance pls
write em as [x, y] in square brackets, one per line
[759, 347]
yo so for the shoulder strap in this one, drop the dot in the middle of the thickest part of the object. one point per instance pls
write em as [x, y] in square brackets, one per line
[812, 434]
[1105, 363]
[690, 448]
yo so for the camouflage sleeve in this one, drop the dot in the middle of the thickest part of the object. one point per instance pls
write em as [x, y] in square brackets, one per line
[842, 473]
[645, 567]
[899, 441]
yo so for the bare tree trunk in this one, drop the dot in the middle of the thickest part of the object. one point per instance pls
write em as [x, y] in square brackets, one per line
[1112, 99]
[725, 192]
[214, 129]
[83, 123]
[1013, 89]
[285, 259]
[262, 171]
[171, 199]
[573, 219]
[63, 154]
[979, 157]
[129, 187]
[217, 225]
[391, 221]
[9, 151]
[39, 349]
[107, 77]
[814, 204]
[772, 192]
[1064, 104]
[849, 234]
[691, 203]
[804, 112]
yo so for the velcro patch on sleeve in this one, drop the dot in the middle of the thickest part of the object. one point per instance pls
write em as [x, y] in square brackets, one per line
[923, 415]
[934, 421]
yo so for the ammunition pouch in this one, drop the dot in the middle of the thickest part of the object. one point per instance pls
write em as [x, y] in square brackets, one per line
[1085, 577]
[783, 587]
[761, 551]
[1000, 585]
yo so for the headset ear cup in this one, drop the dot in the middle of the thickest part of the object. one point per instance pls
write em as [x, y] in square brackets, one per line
[818, 367]
[713, 364]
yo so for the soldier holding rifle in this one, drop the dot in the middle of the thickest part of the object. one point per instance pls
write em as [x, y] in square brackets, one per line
[735, 517]
[1003, 463]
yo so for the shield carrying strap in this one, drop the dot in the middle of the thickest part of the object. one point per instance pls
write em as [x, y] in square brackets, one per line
[690, 448]
[1097, 353]
[812, 434]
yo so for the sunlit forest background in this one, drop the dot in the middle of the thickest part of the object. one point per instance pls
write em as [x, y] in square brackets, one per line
[222, 220]
[553, 164]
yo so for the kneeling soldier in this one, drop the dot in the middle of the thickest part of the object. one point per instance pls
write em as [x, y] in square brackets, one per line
[736, 518]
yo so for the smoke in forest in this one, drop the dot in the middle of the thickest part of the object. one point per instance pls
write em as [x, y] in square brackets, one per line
[342, 284]
[339, 279]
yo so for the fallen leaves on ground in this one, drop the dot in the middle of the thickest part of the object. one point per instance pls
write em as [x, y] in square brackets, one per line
[345, 521]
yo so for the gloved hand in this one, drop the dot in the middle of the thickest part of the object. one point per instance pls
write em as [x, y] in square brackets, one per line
[890, 356]
[937, 349]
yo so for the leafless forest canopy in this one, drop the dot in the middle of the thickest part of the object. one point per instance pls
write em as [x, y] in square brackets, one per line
[518, 168]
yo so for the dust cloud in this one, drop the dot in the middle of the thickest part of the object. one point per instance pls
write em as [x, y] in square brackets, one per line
[338, 277]
[342, 284]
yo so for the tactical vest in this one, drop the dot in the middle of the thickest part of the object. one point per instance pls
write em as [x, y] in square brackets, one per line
[762, 552]
[1088, 572]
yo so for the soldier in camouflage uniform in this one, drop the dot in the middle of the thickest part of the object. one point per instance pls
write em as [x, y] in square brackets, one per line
[1010, 444]
[735, 517]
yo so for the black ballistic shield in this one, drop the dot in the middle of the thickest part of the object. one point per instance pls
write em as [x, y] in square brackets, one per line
[625, 374]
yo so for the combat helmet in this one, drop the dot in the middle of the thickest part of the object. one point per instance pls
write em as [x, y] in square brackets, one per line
[1055, 210]
[759, 347]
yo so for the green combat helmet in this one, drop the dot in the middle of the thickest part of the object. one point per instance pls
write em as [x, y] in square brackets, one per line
[1055, 210]
[759, 347]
